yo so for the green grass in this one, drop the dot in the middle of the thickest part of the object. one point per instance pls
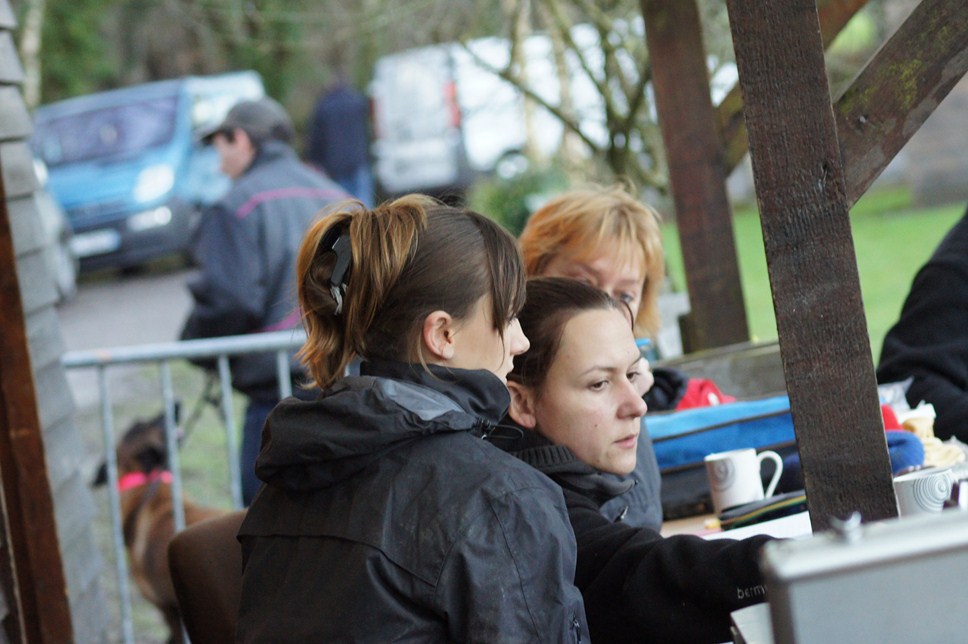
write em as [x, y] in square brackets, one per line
[892, 240]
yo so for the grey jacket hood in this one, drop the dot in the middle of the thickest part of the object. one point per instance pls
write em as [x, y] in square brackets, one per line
[308, 445]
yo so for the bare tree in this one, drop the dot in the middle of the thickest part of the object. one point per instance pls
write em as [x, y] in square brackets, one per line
[604, 45]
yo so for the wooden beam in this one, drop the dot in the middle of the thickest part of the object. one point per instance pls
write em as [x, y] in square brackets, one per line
[899, 89]
[681, 84]
[40, 600]
[700, 159]
[834, 15]
[824, 345]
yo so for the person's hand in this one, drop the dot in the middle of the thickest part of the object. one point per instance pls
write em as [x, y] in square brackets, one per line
[645, 379]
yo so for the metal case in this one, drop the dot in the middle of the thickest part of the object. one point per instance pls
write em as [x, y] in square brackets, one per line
[889, 581]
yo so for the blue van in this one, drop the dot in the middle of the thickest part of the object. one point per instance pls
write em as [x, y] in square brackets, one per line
[128, 168]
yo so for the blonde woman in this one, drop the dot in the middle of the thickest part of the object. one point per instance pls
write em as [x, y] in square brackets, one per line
[604, 236]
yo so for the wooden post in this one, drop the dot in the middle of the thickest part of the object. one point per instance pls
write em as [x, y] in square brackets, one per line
[31, 532]
[824, 345]
[693, 149]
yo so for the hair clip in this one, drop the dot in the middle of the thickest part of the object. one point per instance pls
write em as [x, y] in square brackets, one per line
[337, 240]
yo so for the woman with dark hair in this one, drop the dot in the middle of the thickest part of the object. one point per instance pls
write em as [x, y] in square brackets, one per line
[384, 516]
[605, 237]
[576, 406]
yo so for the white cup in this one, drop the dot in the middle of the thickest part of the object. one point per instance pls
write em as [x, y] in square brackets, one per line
[734, 477]
[923, 491]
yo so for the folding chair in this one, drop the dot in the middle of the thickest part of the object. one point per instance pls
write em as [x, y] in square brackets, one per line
[206, 569]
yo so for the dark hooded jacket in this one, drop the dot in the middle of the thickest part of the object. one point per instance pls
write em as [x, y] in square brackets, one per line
[246, 248]
[386, 518]
[641, 506]
[639, 586]
[929, 342]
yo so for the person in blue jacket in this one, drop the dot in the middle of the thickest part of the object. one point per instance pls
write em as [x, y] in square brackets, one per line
[339, 139]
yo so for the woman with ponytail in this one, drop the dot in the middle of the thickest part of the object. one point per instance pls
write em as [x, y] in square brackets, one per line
[384, 516]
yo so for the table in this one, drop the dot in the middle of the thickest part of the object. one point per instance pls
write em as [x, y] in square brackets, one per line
[793, 526]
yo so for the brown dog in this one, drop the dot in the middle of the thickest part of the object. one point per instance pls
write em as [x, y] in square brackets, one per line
[144, 483]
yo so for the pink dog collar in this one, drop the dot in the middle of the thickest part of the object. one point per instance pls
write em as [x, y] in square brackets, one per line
[134, 479]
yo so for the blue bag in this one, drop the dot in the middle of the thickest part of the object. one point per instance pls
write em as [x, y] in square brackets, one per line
[683, 438]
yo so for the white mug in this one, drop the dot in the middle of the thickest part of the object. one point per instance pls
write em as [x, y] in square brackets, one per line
[734, 477]
[923, 491]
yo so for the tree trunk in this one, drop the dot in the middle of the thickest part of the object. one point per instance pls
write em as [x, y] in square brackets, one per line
[30, 42]
[520, 13]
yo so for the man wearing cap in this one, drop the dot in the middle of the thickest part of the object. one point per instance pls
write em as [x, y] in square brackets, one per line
[245, 250]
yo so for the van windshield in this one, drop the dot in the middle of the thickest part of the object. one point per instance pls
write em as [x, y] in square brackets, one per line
[109, 132]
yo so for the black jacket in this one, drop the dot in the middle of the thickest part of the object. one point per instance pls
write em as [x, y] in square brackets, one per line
[246, 250]
[638, 585]
[385, 517]
[929, 342]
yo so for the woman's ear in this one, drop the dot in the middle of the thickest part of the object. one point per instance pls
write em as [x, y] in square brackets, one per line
[438, 335]
[522, 405]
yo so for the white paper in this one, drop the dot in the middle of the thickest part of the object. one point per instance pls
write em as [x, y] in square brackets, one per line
[789, 527]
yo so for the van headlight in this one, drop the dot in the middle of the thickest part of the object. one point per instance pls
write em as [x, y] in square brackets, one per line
[153, 182]
[154, 218]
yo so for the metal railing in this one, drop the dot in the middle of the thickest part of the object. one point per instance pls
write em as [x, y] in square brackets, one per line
[282, 343]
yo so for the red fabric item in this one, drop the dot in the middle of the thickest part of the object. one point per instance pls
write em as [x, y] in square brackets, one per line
[702, 392]
[890, 418]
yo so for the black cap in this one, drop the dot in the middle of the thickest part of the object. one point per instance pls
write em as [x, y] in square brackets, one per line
[261, 119]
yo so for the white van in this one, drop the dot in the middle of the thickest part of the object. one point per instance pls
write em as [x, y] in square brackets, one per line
[441, 118]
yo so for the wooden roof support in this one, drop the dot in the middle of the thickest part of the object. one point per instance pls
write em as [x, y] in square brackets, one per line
[834, 16]
[40, 591]
[703, 145]
[703, 217]
[824, 345]
[910, 75]
[899, 89]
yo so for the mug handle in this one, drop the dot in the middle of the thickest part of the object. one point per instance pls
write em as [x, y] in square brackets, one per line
[773, 456]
